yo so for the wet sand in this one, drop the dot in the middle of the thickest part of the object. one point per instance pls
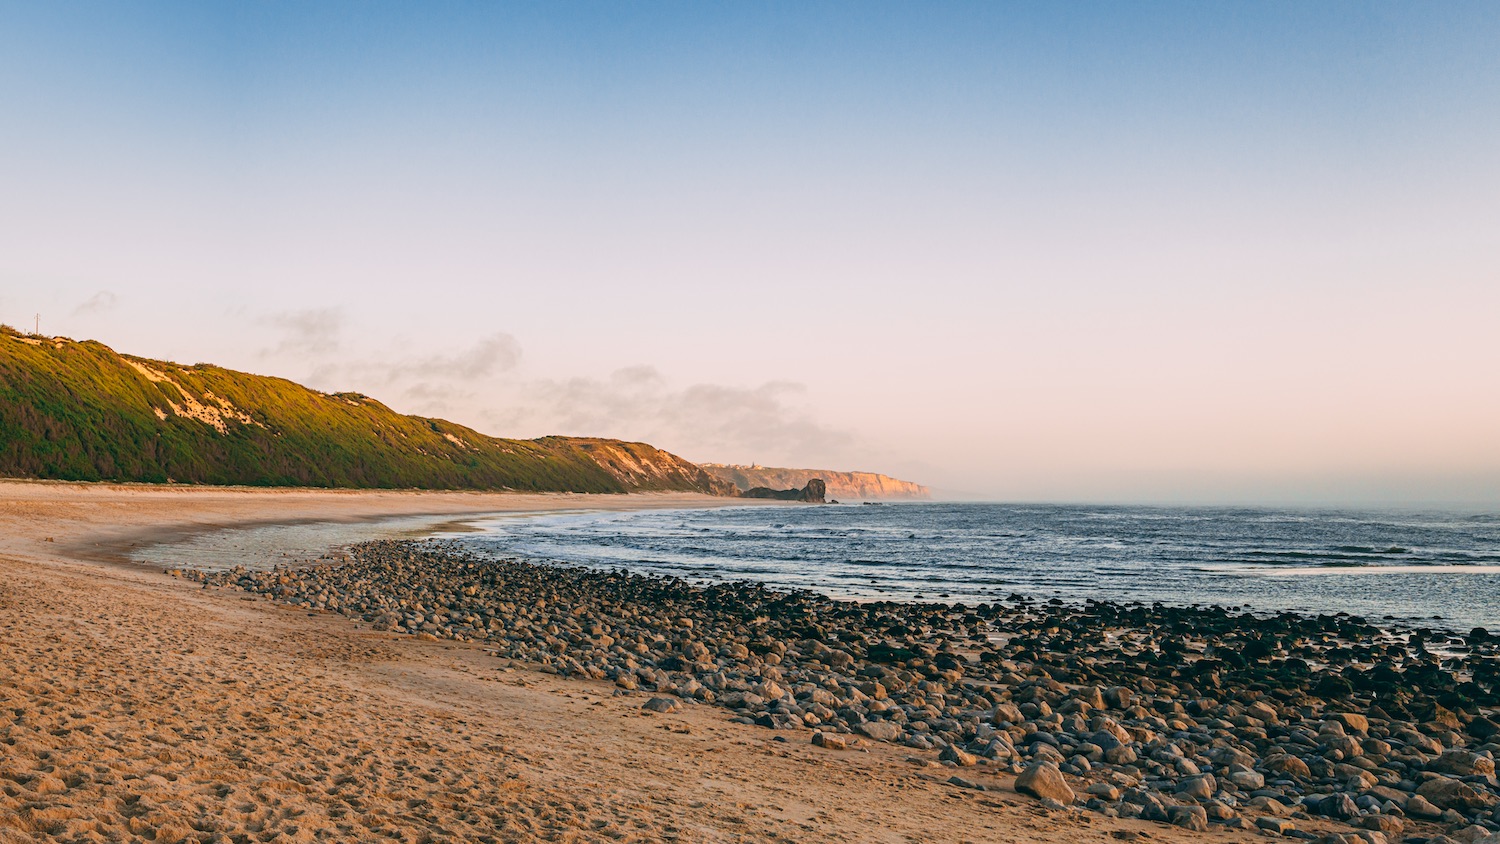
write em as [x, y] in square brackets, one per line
[139, 707]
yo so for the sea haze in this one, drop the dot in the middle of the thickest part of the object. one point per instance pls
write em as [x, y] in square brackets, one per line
[1433, 569]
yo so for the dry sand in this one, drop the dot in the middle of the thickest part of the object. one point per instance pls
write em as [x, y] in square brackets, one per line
[139, 707]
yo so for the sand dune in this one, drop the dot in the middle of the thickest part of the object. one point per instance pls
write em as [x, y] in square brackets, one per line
[138, 707]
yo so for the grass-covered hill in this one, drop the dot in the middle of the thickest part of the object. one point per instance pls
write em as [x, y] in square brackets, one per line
[80, 411]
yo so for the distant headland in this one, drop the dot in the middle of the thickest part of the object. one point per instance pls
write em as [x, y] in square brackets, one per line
[858, 486]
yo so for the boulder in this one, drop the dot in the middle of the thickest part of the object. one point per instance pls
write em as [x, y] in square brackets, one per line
[1339, 806]
[1043, 780]
[1420, 807]
[1462, 763]
[880, 730]
[832, 741]
[1199, 788]
[1118, 697]
[1248, 780]
[957, 757]
[1352, 722]
[1283, 763]
[1189, 817]
[1388, 824]
[1104, 791]
[1262, 711]
[1448, 793]
[1278, 826]
[1009, 713]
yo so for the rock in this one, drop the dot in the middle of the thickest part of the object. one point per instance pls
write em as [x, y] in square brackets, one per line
[1119, 697]
[964, 783]
[999, 748]
[1339, 806]
[957, 757]
[1283, 763]
[1104, 791]
[1008, 712]
[1043, 780]
[880, 730]
[1462, 763]
[1188, 817]
[832, 741]
[1248, 780]
[1347, 747]
[1262, 711]
[1199, 787]
[1351, 721]
[1280, 826]
[1388, 824]
[1270, 806]
[1448, 793]
[815, 492]
[1420, 807]
[662, 704]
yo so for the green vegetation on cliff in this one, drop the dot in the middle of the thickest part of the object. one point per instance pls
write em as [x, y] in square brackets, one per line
[80, 411]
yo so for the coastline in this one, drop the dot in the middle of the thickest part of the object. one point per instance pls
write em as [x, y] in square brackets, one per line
[103, 521]
[227, 690]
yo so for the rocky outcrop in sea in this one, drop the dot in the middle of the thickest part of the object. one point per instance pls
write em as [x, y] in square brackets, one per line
[1199, 717]
[815, 492]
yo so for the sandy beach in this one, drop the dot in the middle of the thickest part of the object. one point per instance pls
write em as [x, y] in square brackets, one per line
[142, 707]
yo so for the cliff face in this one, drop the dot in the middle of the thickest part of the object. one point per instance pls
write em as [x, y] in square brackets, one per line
[841, 485]
[80, 411]
[639, 466]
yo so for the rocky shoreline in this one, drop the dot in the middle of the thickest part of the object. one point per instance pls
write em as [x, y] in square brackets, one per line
[1198, 717]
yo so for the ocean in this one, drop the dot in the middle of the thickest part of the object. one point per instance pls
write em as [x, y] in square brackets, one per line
[1429, 569]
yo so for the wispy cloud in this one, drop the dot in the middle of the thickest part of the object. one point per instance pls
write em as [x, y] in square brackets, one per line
[701, 421]
[96, 304]
[312, 331]
[496, 353]
[481, 384]
[431, 384]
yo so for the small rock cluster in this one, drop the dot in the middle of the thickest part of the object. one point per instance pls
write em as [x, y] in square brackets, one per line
[1189, 716]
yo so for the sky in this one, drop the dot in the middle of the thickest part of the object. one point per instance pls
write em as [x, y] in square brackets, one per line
[1135, 252]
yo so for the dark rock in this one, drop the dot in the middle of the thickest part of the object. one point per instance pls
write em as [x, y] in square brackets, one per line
[1188, 817]
[814, 493]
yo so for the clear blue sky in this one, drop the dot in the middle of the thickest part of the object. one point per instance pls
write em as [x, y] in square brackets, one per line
[1126, 251]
